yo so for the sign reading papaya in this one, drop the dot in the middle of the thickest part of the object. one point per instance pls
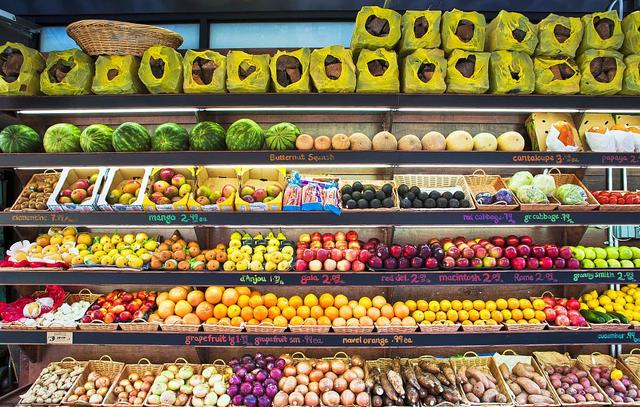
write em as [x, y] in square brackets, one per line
[620, 159]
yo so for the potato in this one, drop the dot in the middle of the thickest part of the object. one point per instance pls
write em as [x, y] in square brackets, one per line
[472, 398]
[567, 398]
[537, 399]
[478, 389]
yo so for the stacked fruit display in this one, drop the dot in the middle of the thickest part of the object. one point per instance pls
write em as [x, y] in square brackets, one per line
[184, 305]
[529, 386]
[174, 385]
[330, 251]
[564, 378]
[37, 192]
[612, 305]
[52, 385]
[169, 188]
[360, 195]
[563, 312]
[416, 197]
[134, 388]
[272, 252]
[176, 253]
[254, 379]
[607, 257]
[213, 390]
[617, 197]
[207, 196]
[79, 192]
[121, 306]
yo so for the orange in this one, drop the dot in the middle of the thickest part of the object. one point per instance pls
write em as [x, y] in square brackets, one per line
[366, 321]
[517, 314]
[282, 302]
[260, 312]
[340, 300]
[445, 305]
[269, 300]
[182, 308]
[383, 321]
[274, 312]
[411, 304]
[254, 292]
[243, 300]
[204, 311]
[233, 311]
[297, 320]
[195, 297]
[434, 306]
[230, 296]
[255, 301]
[213, 294]
[497, 316]
[408, 321]
[177, 293]
[400, 310]
[310, 321]
[310, 300]
[506, 314]
[474, 315]
[525, 303]
[490, 306]
[422, 305]
[253, 321]
[359, 311]
[467, 305]
[243, 290]
[540, 316]
[539, 304]
[166, 309]
[365, 302]
[352, 303]
[316, 311]
[220, 311]
[387, 311]
[173, 320]
[280, 321]
[295, 301]
[246, 313]
[324, 321]
[373, 313]
[161, 297]
[441, 316]
[513, 303]
[339, 322]
[346, 312]
[528, 313]
[378, 301]
[155, 317]
[452, 315]
[501, 304]
[456, 305]
[326, 300]
[485, 314]
[429, 316]
[478, 305]
[236, 321]
[463, 315]
[212, 321]
[395, 321]
[191, 319]
[303, 311]
[289, 312]
[332, 313]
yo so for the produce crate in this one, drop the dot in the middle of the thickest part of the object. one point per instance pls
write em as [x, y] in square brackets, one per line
[479, 181]
[535, 207]
[558, 327]
[98, 325]
[265, 328]
[115, 178]
[488, 365]
[143, 365]
[619, 208]
[562, 179]
[83, 295]
[438, 328]
[539, 124]
[180, 362]
[441, 183]
[105, 366]
[598, 359]
[51, 175]
[67, 363]
[632, 361]
[183, 204]
[222, 327]
[216, 179]
[21, 326]
[559, 359]
[611, 326]
[355, 330]
[67, 178]
[377, 184]
[261, 178]
[510, 358]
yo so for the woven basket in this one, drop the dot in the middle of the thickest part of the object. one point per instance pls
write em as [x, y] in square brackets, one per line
[83, 295]
[632, 361]
[525, 327]
[18, 326]
[180, 362]
[222, 327]
[265, 328]
[52, 174]
[557, 327]
[612, 325]
[562, 179]
[598, 359]
[479, 181]
[488, 365]
[481, 328]
[105, 37]
[439, 183]
[348, 330]
[377, 184]
[438, 328]
[618, 208]
[139, 325]
[394, 329]
[535, 207]
[97, 325]
[140, 368]
[180, 327]
[510, 358]
[310, 329]
[67, 363]
[105, 366]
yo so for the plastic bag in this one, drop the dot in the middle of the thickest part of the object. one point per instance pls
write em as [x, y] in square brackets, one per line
[519, 179]
[510, 31]
[161, 70]
[556, 76]
[631, 78]
[67, 72]
[600, 140]
[601, 31]
[375, 28]
[20, 68]
[204, 72]
[559, 36]
[468, 72]
[463, 30]
[290, 71]
[420, 29]
[545, 182]
[378, 71]
[46, 301]
[117, 74]
[562, 137]
[602, 72]
[528, 194]
[332, 70]
[511, 72]
[623, 138]
[571, 194]
[247, 73]
[424, 71]
[631, 31]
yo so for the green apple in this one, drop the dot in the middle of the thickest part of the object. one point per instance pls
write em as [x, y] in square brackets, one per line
[578, 253]
[600, 253]
[636, 262]
[589, 253]
[587, 264]
[625, 253]
[627, 264]
[614, 264]
[601, 263]
[612, 252]
[636, 252]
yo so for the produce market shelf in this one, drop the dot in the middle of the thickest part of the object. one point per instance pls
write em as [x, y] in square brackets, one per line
[205, 339]
[379, 279]
[347, 218]
[323, 158]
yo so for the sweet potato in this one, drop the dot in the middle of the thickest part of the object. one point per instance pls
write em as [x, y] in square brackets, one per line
[481, 377]
[478, 389]
[539, 380]
[501, 398]
[528, 385]
[523, 370]
[567, 398]
[504, 371]
[489, 395]
[472, 398]
[515, 388]
[521, 398]
[538, 399]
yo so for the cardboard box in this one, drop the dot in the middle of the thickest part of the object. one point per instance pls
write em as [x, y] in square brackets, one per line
[261, 178]
[589, 120]
[539, 124]
[67, 178]
[628, 120]
[216, 179]
[115, 179]
[186, 202]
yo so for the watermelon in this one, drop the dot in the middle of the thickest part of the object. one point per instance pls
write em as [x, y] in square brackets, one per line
[170, 137]
[131, 136]
[62, 138]
[282, 136]
[19, 138]
[207, 136]
[96, 139]
[244, 134]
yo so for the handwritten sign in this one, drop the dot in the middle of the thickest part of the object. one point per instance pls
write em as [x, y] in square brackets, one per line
[397, 278]
[503, 218]
[53, 217]
[535, 277]
[59, 338]
[261, 279]
[547, 158]
[620, 159]
[620, 337]
[548, 217]
[604, 276]
[301, 157]
[192, 218]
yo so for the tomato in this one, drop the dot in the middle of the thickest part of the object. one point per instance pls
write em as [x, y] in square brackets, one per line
[603, 200]
[636, 200]
[613, 200]
[620, 201]
[616, 194]
[628, 199]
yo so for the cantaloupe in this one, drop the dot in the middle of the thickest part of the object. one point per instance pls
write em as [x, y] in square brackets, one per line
[359, 142]
[459, 140]
[322, 143]
[485, 142]
[384, 141]
[434, 141]
[510, 141]
[340, 142]
[304, 142]
[409, 143]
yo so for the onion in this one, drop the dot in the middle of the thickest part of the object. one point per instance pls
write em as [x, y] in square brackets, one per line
[238, 400]
[358, 371]
[331, 375]
[249, 378]
[270, 381]
[362, 399]
[241, 372]
[280, 400]
[356, 360]
[331, 398]
[347, 398]
[296, 399]
[290, 371]
[270, 365]
[251, 401]
[275, 374]
[261, 376]
[264, 401]
[350, 375]
[182, 399]
[323, 366]
[245, 388]
[247, 358]
[325, 385]
[269, 358]
[282, 362]
[271, 390]
[304, 368]
[258, 390]
[302, 389]
[340, 385]
[233, 362]
[338, 366]
[311, 399]
[315, 376]
[289, 384]
[357, 386]
[314, 388]
[302, 379]
[235, 380]
[103, 381]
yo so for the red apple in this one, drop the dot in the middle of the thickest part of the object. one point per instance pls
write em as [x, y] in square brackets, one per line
[496, 252]
[395, 250]
[125, 316]
[550, 313]
[448, 262]
[357, 265]
[315, 265]
[327, 237]
[453, 252]
[459, 239]
[483, 242]
[342, 245]
[565, 252]
[559, 263]
[374, 240]
[364, 256]
[533, 263]
[355, 244]
[510, 252]
[462, 262]
[330, 265]
[476, 263]
[431, 263]
[498, 241]
[560, 310]
[315, 244]
[561, 301]
[409, 251]
[352, 235]
[528, 240]
[503, 262]
[351, 254]
[305, 238]
[562, 320]
[368, 245]
[549, 300]
[316, 236]
[523, 250]
[481, 252]
[573, 264]
[489, 262]
[571, 313]
[512, 240]
[340, 236]
[375, 263]
[468, 253]
[328, 245]
[573, 304]
[322, 254]
[551, 250]
[336, 254]
[518, 263]
[344, 265]
[538, 251]
[546, 263]
[308, 255]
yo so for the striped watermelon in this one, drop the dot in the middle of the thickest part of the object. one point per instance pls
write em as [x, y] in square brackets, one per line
[244, 134]
[282, 136]
[62, 138]
[170, 137]
[96, 138]
[131, 136]
[19, 138]
[207, 136]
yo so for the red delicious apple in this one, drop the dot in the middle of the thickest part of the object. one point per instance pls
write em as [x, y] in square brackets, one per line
[327, 237]
[66, 192]
[560, 263]
[382, 252]
[431, 263]
[315, 265]
[417, 262]
[503, 262]
[510, 252]
[322, 254]
[364, 256]
[565, 252]
[550, 313]
[512, 240]
[523, 250]
[546, 263]
[462, 262]
[498, 241]
[352, 235]
[330, 265]
[390, 263]
[395, 250]
[409, 251]
[551, 250]
[308, 255]
[125, 316]
[357, 265]
[374, 240]
[528, 240]
[518, 263]
[368, 245]
[533, 263]
[538, 251]
[375, 263]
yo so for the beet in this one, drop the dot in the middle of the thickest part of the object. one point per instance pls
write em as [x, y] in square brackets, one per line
[245, 69]
[604, 27]
[202, 70]
[288, 70]
[60, 69]
[426, 71]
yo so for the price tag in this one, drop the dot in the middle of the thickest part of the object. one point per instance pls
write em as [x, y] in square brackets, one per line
[169, 218]
[563, 218]
[59, 338]
[301, 157]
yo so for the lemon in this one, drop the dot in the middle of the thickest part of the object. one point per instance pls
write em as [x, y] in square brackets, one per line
[106, 260]
[434, 306]
[120, 261]
[600, 309]
[99, 253]
[587, 297]
[141, 237]
[135, 262]
[613, 294]
[141, 251]
[604, 300]
[146, 257]
[126, 252]
[129, 238]
[418, 316]
[96, 247]
[616, 374]
[113, 252]
[584, 306]
[478, 305]
[445, 305]
[592, 303]
[105, 239]
[116, 238]
[151, 245]
[609, 307]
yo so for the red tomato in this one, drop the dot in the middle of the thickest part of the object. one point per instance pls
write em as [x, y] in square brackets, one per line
[616, 194]
[620, 201]
[603, 200]
[613, 200]
[628, 199]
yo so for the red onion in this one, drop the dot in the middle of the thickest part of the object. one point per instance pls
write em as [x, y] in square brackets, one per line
[235, 380]
[271, 390]
[233, 390]
[261, 376]
[245, 388]
[250, 401]
[238, 400]
[264, 401]
[258, 390]
[276, 374]
[249, 378]
[280, 363]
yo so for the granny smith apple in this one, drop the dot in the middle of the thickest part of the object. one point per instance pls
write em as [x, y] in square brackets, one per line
[601, 263]
[636, 262]
[612, 253]
[578, 253]
[636, 252]
[601, 253]
[587, 264]
[625, 253]
[589, 253]
[627, 264]
[613, 263]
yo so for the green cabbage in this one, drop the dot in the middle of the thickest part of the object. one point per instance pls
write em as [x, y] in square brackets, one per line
[528, 194]
[545, 182]
[519, 179]
[571, 194]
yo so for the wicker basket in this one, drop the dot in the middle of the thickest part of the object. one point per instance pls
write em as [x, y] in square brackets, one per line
[525, 327]
[619, 208]
[310, 329]
[143, 365]
[180, 362]
[222, 328]
[97, 325]
[558, 327]
[83, 295]
[440, 183]
[377, 184]
[632, 361]
[394, 329]
[479, 181]
[52, 174]
[105, 37]
[535, 207]
[488, 365]
[559, 359]
[180, 327]
[612, 325]
[438, 328]
[510, 358]
[598, 359]
[562, 179]
[349, 330]
[105, 366]
[18, 326]
[265, 328]
[67, 363]
[481, 328]
[139, 325]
